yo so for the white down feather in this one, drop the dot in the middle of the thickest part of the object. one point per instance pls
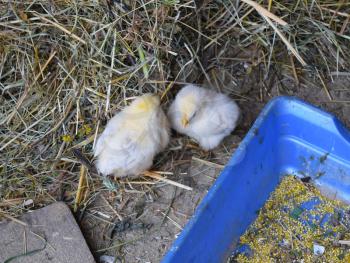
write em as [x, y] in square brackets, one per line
[203, 114]
[132, 138]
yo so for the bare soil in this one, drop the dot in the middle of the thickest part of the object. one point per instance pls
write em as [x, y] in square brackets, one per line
[152, 221]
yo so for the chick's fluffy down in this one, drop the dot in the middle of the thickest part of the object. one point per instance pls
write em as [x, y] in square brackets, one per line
[203, 114]
[132, 138]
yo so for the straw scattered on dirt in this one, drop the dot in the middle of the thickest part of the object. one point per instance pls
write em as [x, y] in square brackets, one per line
[67, 66]
[287, 230]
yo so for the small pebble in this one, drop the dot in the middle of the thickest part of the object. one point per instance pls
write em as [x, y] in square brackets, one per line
[284, 243]
[318, 249]
[107, 259]
[28, 202]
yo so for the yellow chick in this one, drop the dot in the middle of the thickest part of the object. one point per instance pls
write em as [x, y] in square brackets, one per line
[132, 138]
[203, 114]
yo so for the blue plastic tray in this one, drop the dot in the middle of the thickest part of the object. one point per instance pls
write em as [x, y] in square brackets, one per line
[289, 137]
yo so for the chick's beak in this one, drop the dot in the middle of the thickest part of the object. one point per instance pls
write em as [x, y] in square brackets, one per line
[184, 121]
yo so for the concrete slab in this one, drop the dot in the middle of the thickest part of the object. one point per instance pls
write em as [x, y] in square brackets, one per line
[51, 234]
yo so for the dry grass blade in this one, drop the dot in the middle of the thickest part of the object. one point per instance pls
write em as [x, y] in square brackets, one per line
[211, 164]
[82, 186]
[12, 218]
[266, 13]
[161, 178]
[62, 28]
[324, 86]
[336, 12]
[270, 5]
[344, 242]
[111, 72]
[27, 129]
[285, 40]
[26, 91]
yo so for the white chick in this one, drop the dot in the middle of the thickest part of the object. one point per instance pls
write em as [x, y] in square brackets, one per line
[203, 114]
[132, 138]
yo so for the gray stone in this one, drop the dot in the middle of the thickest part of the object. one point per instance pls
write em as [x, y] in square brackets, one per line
[52, 228]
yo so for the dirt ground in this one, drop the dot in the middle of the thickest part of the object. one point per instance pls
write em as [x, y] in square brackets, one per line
[148, 223]
[152, 221]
